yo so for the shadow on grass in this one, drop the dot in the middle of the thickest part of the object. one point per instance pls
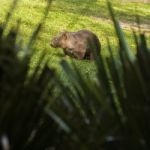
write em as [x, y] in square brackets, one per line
[96, 9]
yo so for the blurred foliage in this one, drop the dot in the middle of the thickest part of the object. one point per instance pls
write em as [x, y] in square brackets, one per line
[24, 94]
[108, 112]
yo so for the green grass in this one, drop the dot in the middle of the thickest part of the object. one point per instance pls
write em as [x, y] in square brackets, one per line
[73, 15]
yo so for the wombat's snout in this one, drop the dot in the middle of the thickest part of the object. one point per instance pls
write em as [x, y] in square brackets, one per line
[51, 43]
[54, 43]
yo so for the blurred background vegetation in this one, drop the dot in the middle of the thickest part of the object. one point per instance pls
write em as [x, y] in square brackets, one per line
[106, 104]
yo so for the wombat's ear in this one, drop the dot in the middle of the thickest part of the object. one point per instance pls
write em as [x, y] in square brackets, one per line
[64, 35]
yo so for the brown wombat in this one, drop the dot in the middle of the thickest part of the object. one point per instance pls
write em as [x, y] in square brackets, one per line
[80, 44]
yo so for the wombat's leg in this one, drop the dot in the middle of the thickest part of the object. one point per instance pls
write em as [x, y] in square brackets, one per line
[65, 51]
[68, 52]
[91, 56]
[79, 55]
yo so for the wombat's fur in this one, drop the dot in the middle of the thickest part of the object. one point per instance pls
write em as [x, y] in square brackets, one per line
[79, 45]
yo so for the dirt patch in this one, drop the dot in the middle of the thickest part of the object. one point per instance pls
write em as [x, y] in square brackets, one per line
[127, 25]
[135, 26]
[138, 1]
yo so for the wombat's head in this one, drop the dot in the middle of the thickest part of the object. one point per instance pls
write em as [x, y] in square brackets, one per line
[59, 40]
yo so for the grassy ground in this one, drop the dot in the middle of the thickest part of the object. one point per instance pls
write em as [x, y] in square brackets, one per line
[73, 15]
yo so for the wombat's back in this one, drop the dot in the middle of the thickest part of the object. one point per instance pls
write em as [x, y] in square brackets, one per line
[92, 40]
[91, 37]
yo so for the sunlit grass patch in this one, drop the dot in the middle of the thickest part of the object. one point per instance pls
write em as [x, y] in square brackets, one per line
[72, 15]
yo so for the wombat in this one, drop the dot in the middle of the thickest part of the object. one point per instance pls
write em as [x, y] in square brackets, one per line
[80, 44]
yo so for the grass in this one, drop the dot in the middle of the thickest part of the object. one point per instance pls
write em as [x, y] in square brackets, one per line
[73, 15]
